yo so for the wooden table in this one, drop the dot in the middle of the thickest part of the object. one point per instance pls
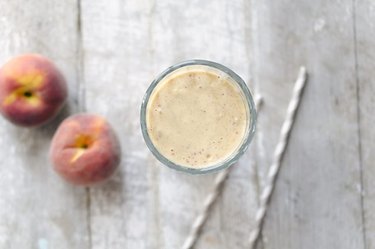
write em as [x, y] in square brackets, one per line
[110, 51]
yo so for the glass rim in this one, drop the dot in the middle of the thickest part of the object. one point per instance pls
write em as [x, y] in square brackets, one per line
[251, 126]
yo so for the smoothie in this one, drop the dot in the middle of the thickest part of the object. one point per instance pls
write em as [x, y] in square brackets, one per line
[197, 116]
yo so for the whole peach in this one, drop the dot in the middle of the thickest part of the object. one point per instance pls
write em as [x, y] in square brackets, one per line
[32, 90]
[85, 149]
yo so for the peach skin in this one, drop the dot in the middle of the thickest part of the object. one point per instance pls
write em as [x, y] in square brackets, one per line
[85, 149]
[32, 90]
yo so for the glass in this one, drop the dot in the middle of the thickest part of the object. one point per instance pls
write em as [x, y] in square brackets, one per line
[251, 121]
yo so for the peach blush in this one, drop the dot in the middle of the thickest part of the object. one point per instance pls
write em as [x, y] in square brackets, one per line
[85, 149]
[32, 90]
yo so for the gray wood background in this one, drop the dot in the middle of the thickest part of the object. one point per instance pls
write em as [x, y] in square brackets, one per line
[110, 51]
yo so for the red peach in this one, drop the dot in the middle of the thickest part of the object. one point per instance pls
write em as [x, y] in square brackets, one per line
[85, 149]
[32, 90]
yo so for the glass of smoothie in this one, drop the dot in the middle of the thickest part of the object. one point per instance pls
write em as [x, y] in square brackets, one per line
[198, 117]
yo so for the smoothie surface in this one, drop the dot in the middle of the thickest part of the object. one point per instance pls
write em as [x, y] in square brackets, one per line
[197, 117]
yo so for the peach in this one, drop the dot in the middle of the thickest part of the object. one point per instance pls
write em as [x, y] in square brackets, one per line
[32, 90]
[85, 149]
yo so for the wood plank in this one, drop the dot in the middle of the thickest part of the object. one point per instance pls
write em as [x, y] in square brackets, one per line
[365, 36]
[38, 209]
[317, 202]
[126, 44]
[116, 42]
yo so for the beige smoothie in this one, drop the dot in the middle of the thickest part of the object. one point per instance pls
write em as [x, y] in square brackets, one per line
[197, 116]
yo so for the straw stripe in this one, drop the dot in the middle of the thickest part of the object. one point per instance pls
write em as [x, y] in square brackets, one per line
[278, 155]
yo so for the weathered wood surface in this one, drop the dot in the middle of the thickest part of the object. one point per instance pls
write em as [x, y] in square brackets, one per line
[110, 51]
[126, 44]
[317, 202]
[38, 209]
[364, 17]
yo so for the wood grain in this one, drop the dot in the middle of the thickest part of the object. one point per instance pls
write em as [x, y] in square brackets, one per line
[364, 17]
[38, 209]
[126, 44]
[317, 202]
[110, 51]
